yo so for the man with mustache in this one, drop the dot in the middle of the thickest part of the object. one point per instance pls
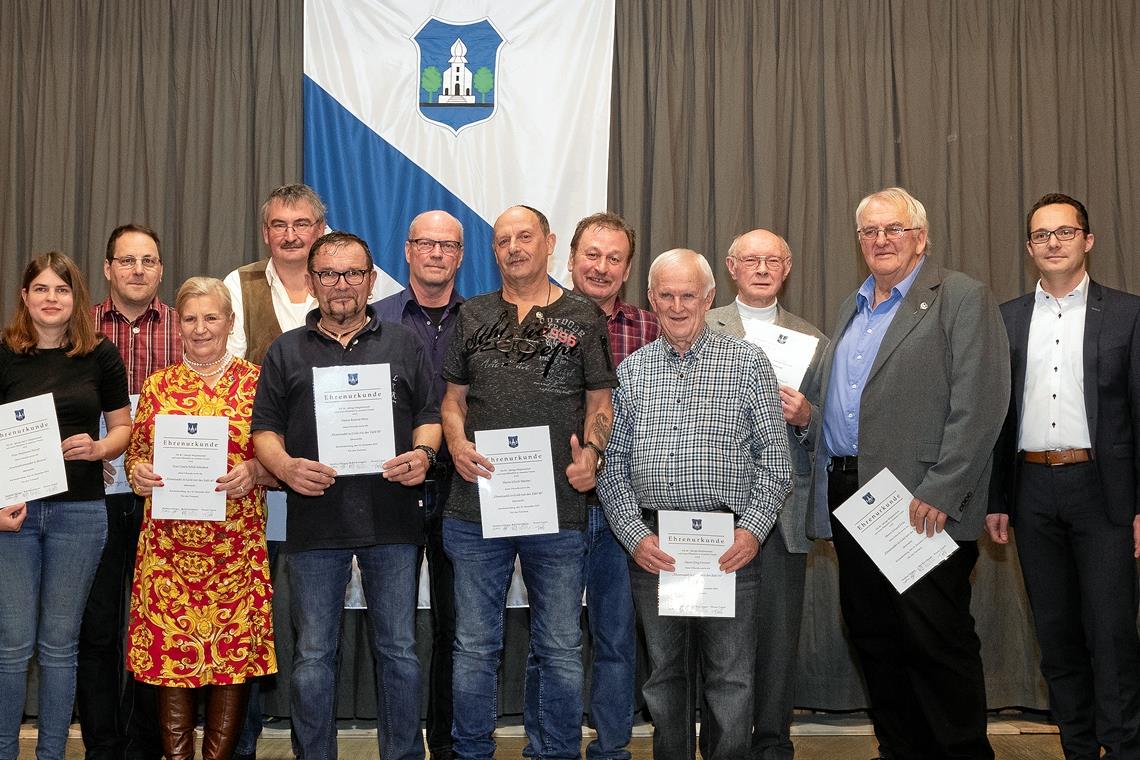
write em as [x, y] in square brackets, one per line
[530, 354]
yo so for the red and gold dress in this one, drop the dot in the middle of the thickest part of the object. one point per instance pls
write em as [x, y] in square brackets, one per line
[200, 604]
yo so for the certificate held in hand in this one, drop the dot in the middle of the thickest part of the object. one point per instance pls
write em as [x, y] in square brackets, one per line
[31, 460]
[519, 498]
[697, 587]
[353, 404]
[190, 454]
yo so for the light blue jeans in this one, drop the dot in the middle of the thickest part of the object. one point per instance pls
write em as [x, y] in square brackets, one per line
[46, 569]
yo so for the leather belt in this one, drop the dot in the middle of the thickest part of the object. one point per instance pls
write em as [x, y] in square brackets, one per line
[845, 464]
[1058, 457]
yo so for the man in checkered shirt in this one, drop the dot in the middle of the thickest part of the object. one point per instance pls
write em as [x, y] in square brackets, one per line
[697, 427]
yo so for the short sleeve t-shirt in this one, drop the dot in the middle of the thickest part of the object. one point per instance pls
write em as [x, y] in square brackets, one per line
[529, 374]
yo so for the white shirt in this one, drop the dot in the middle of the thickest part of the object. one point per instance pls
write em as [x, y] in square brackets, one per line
[289, 315]
[753, 315]
[1053, 407]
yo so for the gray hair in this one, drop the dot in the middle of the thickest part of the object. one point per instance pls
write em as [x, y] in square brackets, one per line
[291, 195]
[898, 196]
[785, 249]
[683, 256]
[198, 287]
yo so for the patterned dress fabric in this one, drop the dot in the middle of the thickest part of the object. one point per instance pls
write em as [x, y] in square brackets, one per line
[200, 605]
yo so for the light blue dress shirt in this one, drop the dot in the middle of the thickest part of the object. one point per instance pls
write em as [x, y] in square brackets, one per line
[855, 353]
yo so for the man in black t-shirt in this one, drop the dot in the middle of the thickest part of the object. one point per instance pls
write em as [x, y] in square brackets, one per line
[528, 356]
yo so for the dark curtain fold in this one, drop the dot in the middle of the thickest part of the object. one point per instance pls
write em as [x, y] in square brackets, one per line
[177, 115]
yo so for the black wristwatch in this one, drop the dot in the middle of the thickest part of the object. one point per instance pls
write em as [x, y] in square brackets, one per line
[601, 465]
[430, 454]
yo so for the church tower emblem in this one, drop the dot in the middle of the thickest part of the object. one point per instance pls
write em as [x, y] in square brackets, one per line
[458, 72]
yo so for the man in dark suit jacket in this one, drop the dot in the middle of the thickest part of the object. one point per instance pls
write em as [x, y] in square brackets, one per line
[1065, 470]
[760, 262]
[916, 381]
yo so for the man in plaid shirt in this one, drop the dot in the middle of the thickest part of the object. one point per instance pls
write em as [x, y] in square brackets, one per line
[697, 427]
[145, 330]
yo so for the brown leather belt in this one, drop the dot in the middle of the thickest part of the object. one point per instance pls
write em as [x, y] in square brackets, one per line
[1056, 458]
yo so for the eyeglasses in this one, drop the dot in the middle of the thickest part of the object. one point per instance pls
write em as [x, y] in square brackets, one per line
[329, 278]
[129, 262]
[1063, 234]
[427, 245]
[893, 232]
[752, 262]
[300, 227]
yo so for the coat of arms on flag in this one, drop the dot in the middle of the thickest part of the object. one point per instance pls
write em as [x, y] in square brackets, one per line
[458, 70]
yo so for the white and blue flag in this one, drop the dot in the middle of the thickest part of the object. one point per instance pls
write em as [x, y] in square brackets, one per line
[469, 107]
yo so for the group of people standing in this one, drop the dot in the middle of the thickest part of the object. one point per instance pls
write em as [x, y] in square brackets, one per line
[647, 411]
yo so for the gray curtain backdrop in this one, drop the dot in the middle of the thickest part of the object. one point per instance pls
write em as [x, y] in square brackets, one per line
[727, 115]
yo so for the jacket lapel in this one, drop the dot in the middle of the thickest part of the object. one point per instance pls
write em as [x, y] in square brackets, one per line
[1094, 319]
[918, 302]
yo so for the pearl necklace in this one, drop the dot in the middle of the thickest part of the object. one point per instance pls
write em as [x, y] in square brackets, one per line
[197, 367]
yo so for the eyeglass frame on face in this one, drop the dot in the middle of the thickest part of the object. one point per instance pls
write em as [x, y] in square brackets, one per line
[752, 263]
[424, 246]
[129, 262]
[1064, 234]
[891, 232]
[349, 274]
[299, 227]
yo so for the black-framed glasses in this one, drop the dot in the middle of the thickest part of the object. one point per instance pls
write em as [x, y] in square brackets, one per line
[893, 232]
[753, 262]
[1063, 234]
[130, 262]
[330, 278]
[524, 347]
[300, 227]
[425, 246]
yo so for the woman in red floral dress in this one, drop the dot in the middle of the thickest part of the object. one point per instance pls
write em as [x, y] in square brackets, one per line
[200, 605]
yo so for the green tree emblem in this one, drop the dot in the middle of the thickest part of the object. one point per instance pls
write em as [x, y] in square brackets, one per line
[483, 82]
[431, 81]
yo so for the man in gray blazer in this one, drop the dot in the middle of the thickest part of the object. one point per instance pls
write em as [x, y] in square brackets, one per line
[916, 381]
[759, 262]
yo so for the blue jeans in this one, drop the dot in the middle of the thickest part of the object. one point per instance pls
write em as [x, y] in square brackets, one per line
[317, 579]
[552, 567]
[46, 569]
[726, 650]
[609, 614]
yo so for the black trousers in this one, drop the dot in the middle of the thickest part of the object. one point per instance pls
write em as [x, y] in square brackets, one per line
[1080, 577]
[441, 577]
[919, 652]
[118, 716]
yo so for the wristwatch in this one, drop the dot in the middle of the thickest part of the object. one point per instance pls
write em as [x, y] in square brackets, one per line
[601, 465]
[430, 454]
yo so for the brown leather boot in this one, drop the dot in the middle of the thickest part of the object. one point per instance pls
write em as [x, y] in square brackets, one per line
[225, 714]
[176, 714]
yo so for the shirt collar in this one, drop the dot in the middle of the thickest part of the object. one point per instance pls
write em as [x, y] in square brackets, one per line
[407, 296]
[154, 307]
[1076, 296]
[627, 311]
[694, 350]
[867, 290]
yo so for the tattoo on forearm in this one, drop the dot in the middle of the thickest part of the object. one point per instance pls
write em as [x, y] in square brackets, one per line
[600, 430]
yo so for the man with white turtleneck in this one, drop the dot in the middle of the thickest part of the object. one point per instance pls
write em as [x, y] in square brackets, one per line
[760, 262]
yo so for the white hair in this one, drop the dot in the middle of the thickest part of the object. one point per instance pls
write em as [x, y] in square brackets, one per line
[684, 257]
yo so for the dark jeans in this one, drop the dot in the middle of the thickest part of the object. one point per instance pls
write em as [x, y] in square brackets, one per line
[117, 715]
